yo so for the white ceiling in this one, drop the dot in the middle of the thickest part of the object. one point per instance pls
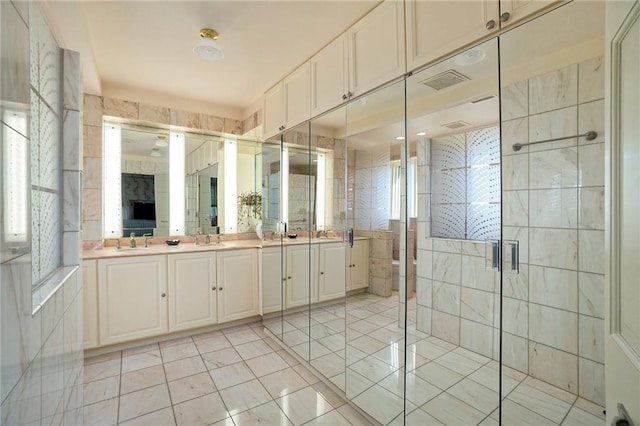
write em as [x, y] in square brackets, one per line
[147, 45]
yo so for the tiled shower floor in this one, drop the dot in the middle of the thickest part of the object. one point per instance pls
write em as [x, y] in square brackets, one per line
[446, 384]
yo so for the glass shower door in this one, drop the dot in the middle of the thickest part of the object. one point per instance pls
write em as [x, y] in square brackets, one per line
[552, 90]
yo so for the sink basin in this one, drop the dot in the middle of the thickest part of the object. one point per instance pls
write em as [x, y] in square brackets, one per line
[133, 249]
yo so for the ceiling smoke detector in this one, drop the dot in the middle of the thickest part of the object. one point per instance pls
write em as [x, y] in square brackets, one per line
[207, 47]
[444, 79]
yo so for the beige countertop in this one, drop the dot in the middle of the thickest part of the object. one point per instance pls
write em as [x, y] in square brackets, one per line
[160, 249]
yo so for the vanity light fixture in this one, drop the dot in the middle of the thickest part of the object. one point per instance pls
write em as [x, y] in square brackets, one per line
[207, 47]
[161, 141]
[155, 152]
[399, 138]
[421, 134]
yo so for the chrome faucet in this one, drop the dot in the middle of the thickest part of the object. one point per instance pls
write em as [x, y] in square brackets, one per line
[117, 240]
[195, 239]
[132, 241]
[146, 239]
[207, 239]
[218, 239]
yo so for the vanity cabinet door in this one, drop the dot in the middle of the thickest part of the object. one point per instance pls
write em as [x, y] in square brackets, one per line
[437, 28]
[237, 274]
[132, 294]
[271, 280]
[331, 282]
[192, 290]
[302, 275]
[90, 302]
[359, 265]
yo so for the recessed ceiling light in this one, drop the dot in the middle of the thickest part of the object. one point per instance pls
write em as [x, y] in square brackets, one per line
[155, 152]
[399, 138]
[162, 141]
[470, 57]
[421, 134]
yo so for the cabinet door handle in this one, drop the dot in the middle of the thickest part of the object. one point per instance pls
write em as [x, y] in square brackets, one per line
[491, 24]
[505, 17]
[349, 95]
[344, 97]
[213, 288]
[164, 295]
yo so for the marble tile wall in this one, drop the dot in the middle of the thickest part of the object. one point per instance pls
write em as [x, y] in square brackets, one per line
[41, 359]
[94, 108]
[372, 189]
[556, 193]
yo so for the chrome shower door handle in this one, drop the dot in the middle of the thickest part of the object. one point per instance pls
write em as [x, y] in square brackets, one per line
[492, 255]
[512, 257]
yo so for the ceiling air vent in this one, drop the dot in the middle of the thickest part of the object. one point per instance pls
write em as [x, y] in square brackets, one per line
[444, 79]
[456, 124]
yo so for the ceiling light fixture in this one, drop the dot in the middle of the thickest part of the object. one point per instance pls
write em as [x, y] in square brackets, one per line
[470, 57]
[162, 141]
[207, 47]
[155, 152]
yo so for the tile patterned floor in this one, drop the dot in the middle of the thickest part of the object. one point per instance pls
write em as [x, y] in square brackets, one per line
[235, 376]
[446, 384]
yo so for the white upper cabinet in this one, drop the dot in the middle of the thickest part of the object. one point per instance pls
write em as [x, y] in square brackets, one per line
[376, 47]
[272, 111]
[436, 28]
[330, 76]
[287, 103]
[512, 11]
[296, 97]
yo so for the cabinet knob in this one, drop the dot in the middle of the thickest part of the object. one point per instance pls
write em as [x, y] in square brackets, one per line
[344, 97]
[213, 288]
[284, 279]
[321, 273]
[491, 24]
[505, 17]
[289, 278]
[220, 288]
[164, 295]
[349, 95]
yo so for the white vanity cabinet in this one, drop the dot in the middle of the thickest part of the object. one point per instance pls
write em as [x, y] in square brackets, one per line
[132, 298]
[333, 271]
[287, 104]
[301, 286]
[237, 278]
[272, 279]
[192, 290]
[358, 275]
[90, 302]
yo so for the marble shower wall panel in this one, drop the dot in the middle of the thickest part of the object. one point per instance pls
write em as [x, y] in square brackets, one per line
[372, 189]
[553, 194]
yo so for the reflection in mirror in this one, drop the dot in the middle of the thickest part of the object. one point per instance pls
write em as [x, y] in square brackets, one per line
[375, 314]
[453, 127]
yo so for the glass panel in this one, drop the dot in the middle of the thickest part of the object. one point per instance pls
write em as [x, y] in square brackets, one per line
[299, 256]
[272, 255]
[453, 334]
[375, 314]
[328, 315]
[552, 86]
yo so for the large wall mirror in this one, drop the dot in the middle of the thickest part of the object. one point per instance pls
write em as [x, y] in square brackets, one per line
[162, 182]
